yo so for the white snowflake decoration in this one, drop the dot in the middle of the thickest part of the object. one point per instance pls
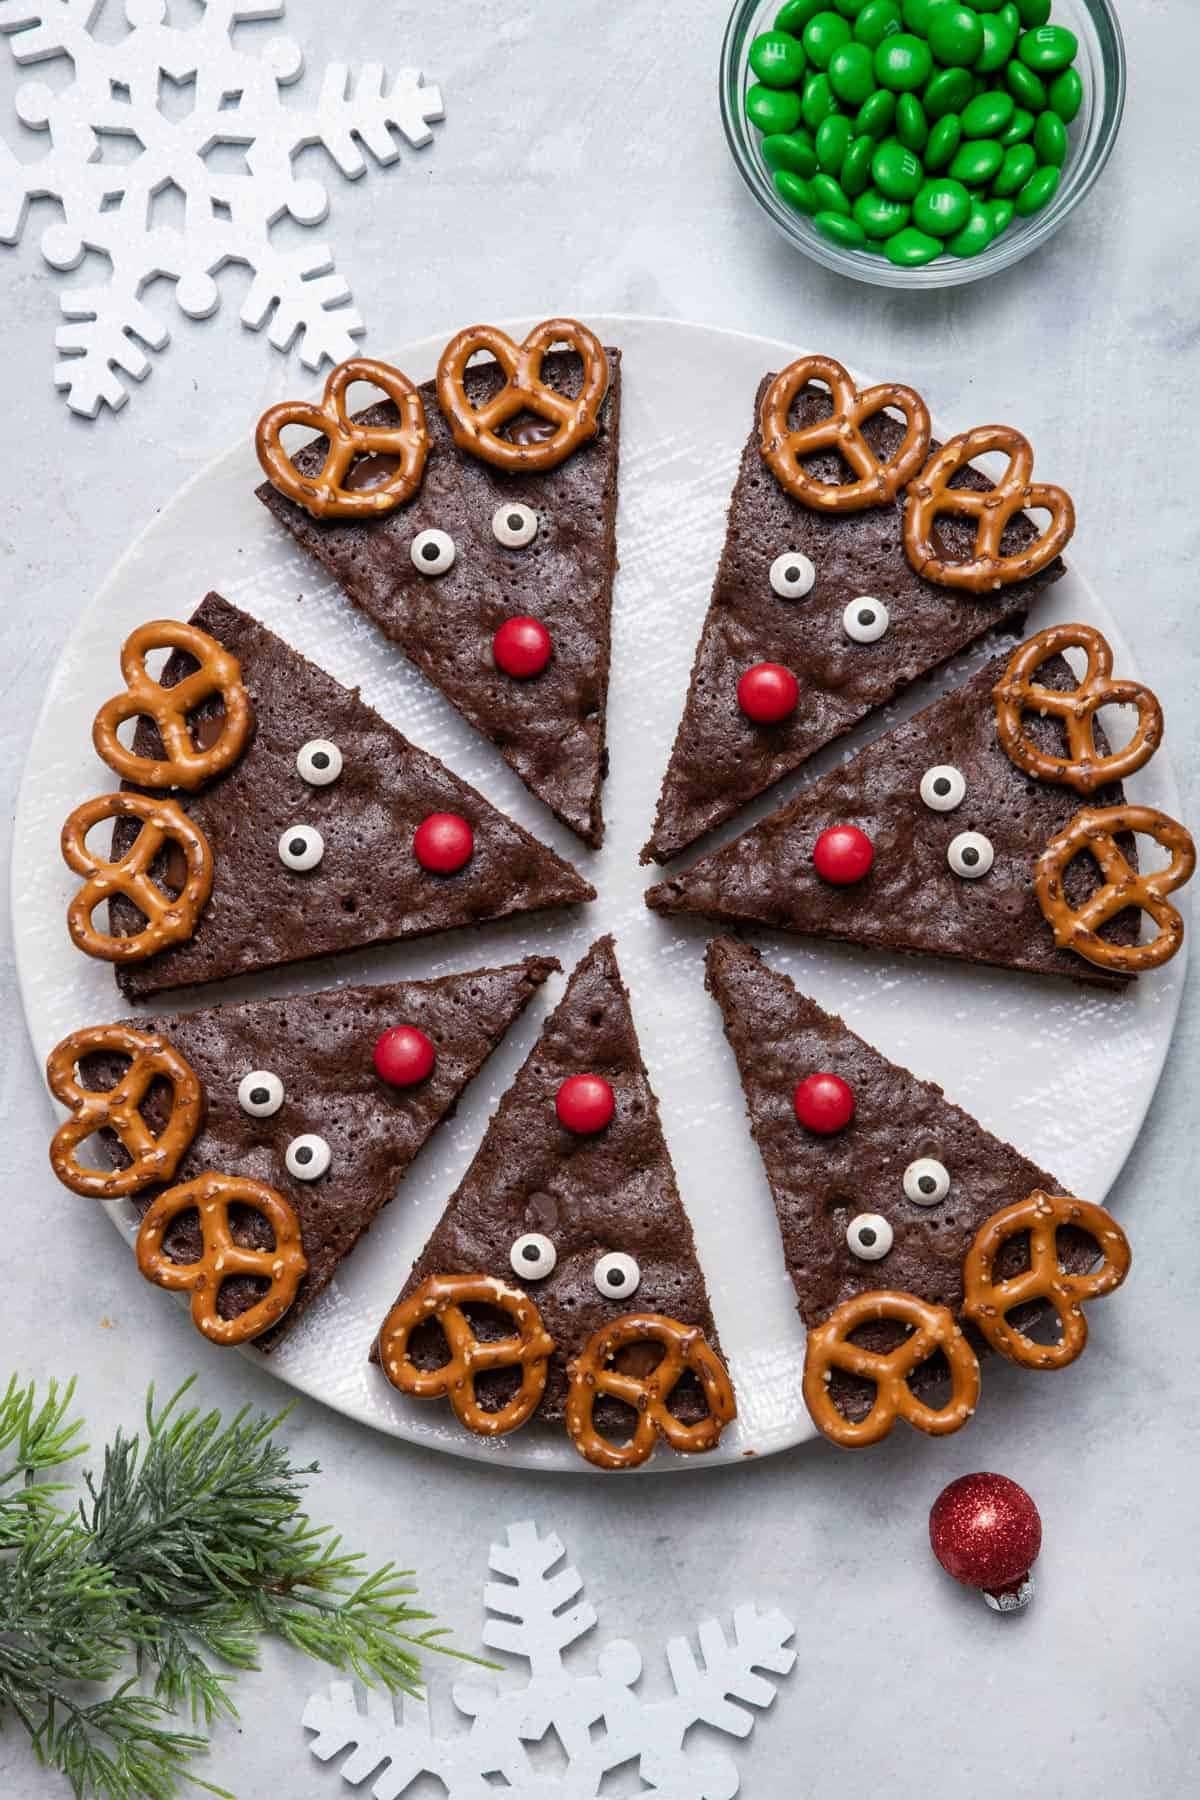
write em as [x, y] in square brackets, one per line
[122, 136]
[601, 1724]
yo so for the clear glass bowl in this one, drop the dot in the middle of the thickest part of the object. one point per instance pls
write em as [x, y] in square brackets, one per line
[1101, 65]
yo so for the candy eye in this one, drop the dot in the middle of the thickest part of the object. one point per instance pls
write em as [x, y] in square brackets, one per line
[433, 552]
[514, 526]
[301, 847]
[926, 1181]
[865, 619]
[970, 855]
[533, 1256]
[943, 787]
[307, 1156]
[319, 762]
[260, 1093]
[869, 1236]
[792, 575]
[616, 1275]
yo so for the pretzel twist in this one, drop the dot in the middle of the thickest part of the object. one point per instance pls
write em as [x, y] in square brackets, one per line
[932, 1328]
[168, 921]
[443, 1297]
[476, 429]
[211, 1195]
[117, 1109]
[183, 766]
[930, 496]
[684, 1349]
[988, 1301]
[1083, 768]
[1095, 829]
[878, 482]
[326, 495]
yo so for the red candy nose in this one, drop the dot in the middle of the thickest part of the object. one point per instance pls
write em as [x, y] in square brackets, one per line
[768, 693]
[824, 1103]
[443, 843]
[584, 1104]
[843, 854]
[404, 1056]
[522, 647]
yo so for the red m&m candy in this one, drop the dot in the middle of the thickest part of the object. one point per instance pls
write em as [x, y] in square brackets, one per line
[824, 1103]
[522, 647]
[584, 1104]
[443, 843]
[767, 693]
[843, 854]
[404, 1056]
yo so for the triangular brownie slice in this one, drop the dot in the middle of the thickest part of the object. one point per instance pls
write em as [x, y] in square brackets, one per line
[368, 887]
[613, 1190]
[312, 1059]
[825, 1184]
[550, 729]
[721, 759]
[913, 898]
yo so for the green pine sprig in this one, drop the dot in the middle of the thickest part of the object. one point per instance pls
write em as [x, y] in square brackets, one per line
[187, 1549]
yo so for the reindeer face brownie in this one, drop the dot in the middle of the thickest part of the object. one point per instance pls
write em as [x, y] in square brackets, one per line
[474, 520]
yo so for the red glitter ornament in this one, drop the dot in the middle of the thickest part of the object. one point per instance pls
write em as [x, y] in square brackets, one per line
[843, 854]
[986, 1532]
[824, 1103]
[443, 843]
[522, 647]
[768, 693]
[584, 1104]
[404, 1056]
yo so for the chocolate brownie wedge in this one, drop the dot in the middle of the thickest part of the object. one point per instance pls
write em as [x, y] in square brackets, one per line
[894, 1198]
[611, 1190]
[844, 665]
[367, 886]
[314, 1077]
[919, 894]
[550, 728]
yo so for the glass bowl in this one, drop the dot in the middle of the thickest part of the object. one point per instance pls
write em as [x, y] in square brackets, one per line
[1101, 65]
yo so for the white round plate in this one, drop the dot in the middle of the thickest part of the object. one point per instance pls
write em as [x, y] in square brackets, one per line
[1062, 1072]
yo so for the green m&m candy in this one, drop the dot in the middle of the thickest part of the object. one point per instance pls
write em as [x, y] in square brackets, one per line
[1017, 129]
[910, 248]
[1037, 190]
[850, 9]
[975, 163]
[941, 208]
[915, 14]
[879, 216]
[1033, 12]
[1008, 15]
[948, 92]
[896, 171]
[795, 190]
[852, 73]
[998, 40]
[773, 109]
[911, 127]
[778, 59]
[987, 114]
[1066, 94]
[792, 150]
[876, 114]
[817, 101]
[1048, 49]
[1001, 214]
[856, 168]
[840, 230]
[794, 15]
[822, 35]
[1050, 139]
[944, 140]
[833, 141]
[1026, 88]
[1018, 165]
[955, 34]
[829, 195]
[903, 62]
[975, 235]
[877, 20]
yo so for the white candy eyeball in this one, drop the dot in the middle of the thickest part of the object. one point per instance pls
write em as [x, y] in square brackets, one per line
[319, 762]
[926, 1181]
[533, 1256]
[301, 847]
[260, 1093]
[970, 855]
[865, 620]
[616, 1275]
[307, 1157]
[943, 787]
[869, 1236]
[514, 525]
[433, 552]
[792, 575]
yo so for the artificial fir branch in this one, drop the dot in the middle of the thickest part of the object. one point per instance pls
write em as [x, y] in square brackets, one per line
[187, 1548]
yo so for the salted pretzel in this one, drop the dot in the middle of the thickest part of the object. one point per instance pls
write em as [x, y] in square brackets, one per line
[184, 764]
[211, 1195]
[326, 494]
[988, 1302]
[443, 1297]
[591, 1375]
[477, 429]
[168, 921]
[930, 495]
[841, 430]
[152, 1156]
[933, 1328]
[1095, 829]
[1018, 693]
